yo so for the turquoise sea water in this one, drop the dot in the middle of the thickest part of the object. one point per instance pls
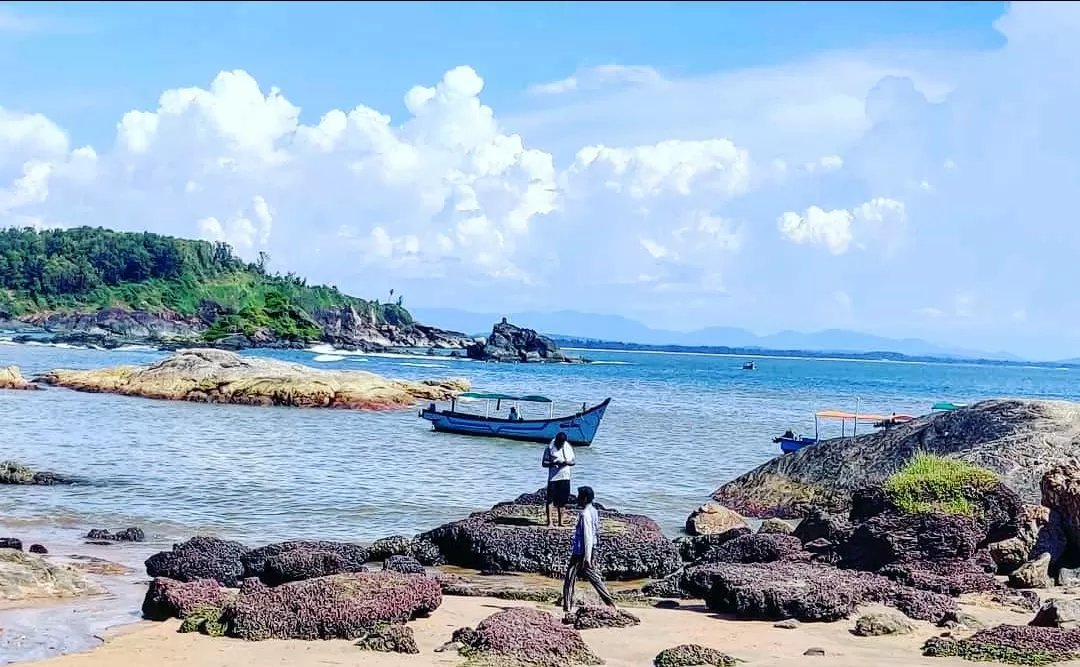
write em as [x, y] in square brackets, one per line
[678, 427]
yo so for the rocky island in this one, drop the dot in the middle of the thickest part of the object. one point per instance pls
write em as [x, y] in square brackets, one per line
[219, 376]
[510, 343]
[99, 287]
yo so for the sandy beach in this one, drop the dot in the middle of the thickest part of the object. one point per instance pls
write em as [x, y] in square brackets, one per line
[758, 643]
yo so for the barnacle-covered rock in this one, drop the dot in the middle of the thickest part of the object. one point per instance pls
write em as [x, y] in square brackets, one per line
[200, 558]
[422, 549]
[404, 565]
[953, 577]
[349, 558]
[389, 638]
[168, 598]
[692, 549]
[693, 655]
[514, 538]
[344, 606]
[133, 534]
[760, 548]
[592, 617]
[1011, 644]
[523, 637]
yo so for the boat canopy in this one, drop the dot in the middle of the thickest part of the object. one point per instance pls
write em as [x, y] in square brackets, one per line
[484, 396]
[947, 405]
[837, 414]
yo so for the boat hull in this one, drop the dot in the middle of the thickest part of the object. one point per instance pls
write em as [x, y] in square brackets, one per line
[788, 445]
[580, 429]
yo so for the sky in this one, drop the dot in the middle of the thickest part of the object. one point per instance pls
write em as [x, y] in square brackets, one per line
[899, 168]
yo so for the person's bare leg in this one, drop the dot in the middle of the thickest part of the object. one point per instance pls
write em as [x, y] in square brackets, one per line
[548, 508]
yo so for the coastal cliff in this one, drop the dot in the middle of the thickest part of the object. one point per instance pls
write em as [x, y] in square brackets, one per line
[218, 376]
[107, 289]
[1017, 439]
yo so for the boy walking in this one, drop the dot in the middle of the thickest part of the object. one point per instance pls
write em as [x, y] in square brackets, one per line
[581, 558]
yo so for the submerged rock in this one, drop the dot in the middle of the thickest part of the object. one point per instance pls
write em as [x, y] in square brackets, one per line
[1004, 436]
[218, 376]
[523, 637]
[16, 473]
[514, 538]
[133, 534]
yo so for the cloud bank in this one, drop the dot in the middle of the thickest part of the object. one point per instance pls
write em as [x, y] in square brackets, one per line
[903, 196]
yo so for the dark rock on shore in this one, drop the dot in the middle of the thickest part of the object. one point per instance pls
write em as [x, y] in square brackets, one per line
[295, 560]
[422, 549]
[200, 558]
[1018, 439]
[514, 538]
[516, 344]
[38, 549]
[168, 598]
[693, 655]
[591, 617]
[11, 543]
[404, 565]
[523, 636]
[389, 638]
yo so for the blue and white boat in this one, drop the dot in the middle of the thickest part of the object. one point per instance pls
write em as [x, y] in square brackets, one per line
[580, 428]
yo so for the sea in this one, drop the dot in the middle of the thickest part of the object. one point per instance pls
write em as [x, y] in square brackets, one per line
[678, 427]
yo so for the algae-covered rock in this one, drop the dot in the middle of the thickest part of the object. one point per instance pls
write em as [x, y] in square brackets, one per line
[12, 472]
[1010, 644]
[345, 606]
[693, 655]
[877, 624]
[523, 637]
[389, 638]
[514, 538]
[218, 376]
[30, 577]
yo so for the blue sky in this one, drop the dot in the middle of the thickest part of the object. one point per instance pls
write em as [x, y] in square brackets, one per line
[900, 168]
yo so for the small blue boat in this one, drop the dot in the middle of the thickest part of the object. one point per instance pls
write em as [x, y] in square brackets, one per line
[580, 428]
[789, 442]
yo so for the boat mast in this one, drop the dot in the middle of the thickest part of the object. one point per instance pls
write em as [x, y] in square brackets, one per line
[855, 428]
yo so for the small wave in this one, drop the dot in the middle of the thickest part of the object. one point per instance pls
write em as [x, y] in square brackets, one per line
[136, 348]
[416, 365]
[328, 357]
[610, 363]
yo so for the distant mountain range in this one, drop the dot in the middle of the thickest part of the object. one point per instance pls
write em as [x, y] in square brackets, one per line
[570, 324]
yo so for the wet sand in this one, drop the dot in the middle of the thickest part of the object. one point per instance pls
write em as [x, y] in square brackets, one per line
[759, 643]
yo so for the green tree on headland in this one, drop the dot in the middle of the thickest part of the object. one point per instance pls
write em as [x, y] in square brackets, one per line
[88, 269]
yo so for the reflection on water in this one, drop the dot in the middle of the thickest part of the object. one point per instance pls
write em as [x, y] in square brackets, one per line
[678, 427]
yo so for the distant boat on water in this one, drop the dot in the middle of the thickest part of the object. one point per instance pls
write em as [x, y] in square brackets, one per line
[580, 428]
[749, 366]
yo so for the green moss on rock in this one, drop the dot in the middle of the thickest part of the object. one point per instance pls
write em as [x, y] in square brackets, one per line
[693, 655]
[931, 484]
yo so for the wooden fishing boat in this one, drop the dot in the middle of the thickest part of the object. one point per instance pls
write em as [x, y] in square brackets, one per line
[580, 428]
[789, 442]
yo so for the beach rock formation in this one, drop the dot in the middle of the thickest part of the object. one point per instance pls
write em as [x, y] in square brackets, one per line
[11, 543]
[218, 376]
[201, 558]
[513, 537]
[30, 577]
[693, 655]
[404, 565]
[12, 472]
[1018, 439]
[591, 617]
[344, 606]
[1015, 644]
[523, 637]
[512, 343]
[710, 519]
[11, 378]
[132, 534]
[389, 638]
[398, 545]
[168, 598]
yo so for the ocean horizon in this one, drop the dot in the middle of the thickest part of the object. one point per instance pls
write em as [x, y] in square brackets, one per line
[680, 425]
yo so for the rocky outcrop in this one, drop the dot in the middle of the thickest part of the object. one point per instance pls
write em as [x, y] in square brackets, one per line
[513, 537]
[1018, 439]
[30, 577]
[593, 617]
[132, 534]
[341, 326]
[523, 636]
[347, 328]
[512, 343]
[1016, 644]
[217, 376]
[11, 378]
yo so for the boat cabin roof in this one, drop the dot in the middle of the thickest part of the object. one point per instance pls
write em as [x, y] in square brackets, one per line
[485, 396]
[837, 414]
